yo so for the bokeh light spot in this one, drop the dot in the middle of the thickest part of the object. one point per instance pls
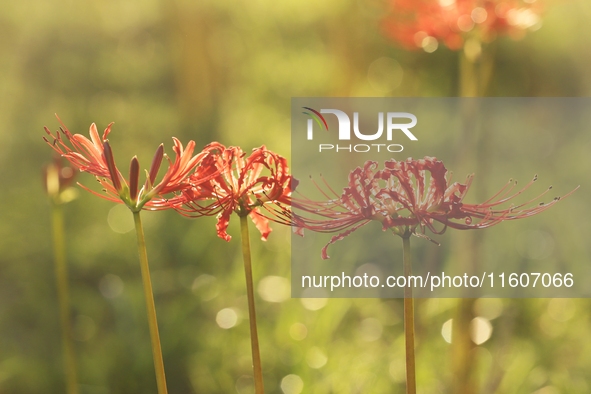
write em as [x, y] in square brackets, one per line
[384, 74]
[479, 15]
[429, 44]
[298, 331]
[397, 371]
[490, 308]
[245, 385]
[419, 37]
[274, 289]
[480, 330]
[120, 219]
[111, 286]
[472, 50]
[561, 309]
[315, 358]
[465, 23]
[205, 287]
[446, 330]
[292, 384]
[311, 299]
[226, 318]
[447, 3]
[371, 329]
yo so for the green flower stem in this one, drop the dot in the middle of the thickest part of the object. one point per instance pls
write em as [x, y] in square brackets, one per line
[475, 72]
[409, 320]
[474, 77]
[149, 295]
[254, 337]
[61, 275]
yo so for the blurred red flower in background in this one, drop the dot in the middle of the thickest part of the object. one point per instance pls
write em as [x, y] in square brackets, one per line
[241, 184]
[57, 177]
[410, 196]
[416, 24]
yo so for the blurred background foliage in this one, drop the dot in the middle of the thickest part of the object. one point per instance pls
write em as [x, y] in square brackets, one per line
[219, 70]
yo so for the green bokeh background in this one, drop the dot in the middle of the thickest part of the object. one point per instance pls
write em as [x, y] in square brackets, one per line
[220, 70]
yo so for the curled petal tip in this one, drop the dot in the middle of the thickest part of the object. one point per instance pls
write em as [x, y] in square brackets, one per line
[107, 130]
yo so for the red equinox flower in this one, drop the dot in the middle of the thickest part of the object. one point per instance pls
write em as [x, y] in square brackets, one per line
[423, 23]
[96, 157]
[243, 185]
[407, 196]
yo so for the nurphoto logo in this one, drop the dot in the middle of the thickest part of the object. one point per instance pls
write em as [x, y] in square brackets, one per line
[395, 121]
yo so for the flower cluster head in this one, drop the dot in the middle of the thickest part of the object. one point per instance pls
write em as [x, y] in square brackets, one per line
[258, 186]
[426, 23]
[410, 197]
[95, 156]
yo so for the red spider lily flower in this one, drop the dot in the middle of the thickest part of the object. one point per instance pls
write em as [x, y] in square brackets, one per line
[243, 185]
[424, 23]
[409, 197]
[95, 156]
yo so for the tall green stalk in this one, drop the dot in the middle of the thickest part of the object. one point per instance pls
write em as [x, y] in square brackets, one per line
[150, 306]
[254, 337]
[61, 275]
[409, 319]
[475, 76]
